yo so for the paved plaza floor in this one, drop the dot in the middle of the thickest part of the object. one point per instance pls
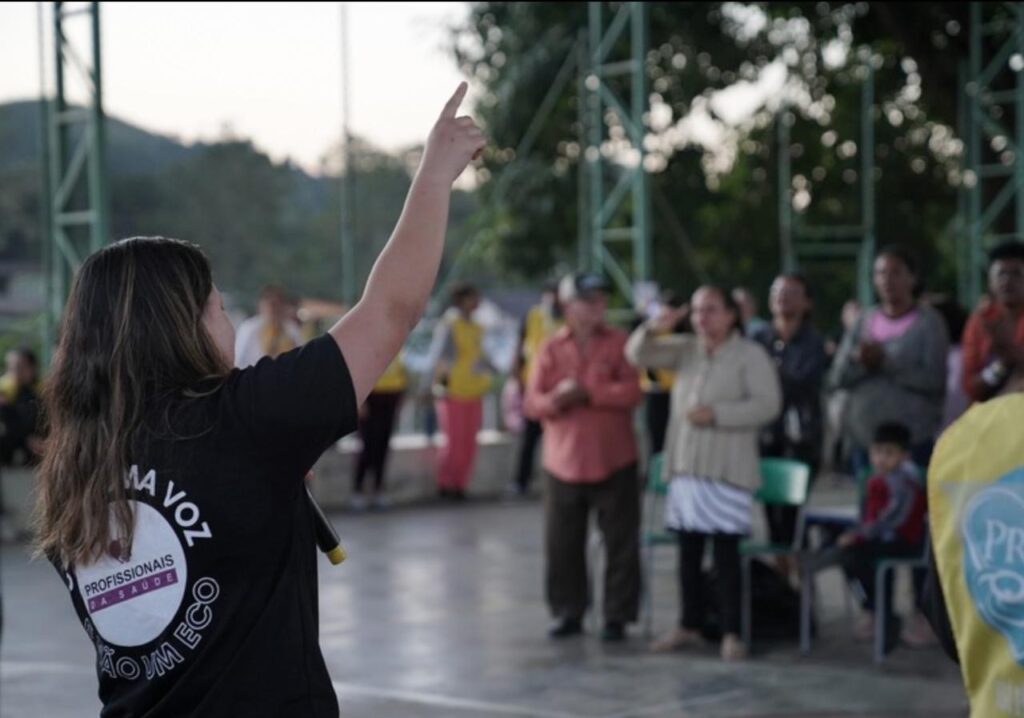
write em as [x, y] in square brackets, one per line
[439, 611]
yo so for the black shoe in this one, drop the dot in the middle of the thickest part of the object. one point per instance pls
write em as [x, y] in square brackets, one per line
[614, 632]
[565, 628]
[514, 491]
[459, 495]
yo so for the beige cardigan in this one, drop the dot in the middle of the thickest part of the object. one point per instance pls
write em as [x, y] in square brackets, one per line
[739, 382]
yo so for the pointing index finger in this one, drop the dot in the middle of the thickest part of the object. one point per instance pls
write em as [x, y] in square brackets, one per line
[452, 106]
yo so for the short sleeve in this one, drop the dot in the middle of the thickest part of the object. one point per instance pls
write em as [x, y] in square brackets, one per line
[296, 406]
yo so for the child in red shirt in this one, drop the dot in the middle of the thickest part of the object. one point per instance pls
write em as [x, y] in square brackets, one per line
[893, 524]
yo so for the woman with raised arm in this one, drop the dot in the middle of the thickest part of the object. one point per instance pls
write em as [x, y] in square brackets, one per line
[726, 389]
[171, 494]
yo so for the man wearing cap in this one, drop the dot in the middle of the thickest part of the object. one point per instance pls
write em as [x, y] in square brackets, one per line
[584, 391]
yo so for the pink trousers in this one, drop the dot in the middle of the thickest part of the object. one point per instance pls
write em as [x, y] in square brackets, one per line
[459, 420]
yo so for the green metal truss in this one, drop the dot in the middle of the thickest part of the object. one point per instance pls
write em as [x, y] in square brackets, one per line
[994, 179]
[799, 242]
[76, 210]
[615, 234]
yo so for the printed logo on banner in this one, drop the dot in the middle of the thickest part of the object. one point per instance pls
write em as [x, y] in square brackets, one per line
[993, 536]
[131, 599]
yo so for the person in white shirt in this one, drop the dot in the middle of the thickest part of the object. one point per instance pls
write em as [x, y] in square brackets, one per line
[270, 333]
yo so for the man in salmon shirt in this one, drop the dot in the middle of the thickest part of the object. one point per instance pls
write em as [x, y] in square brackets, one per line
[993, 341]
[584, 392]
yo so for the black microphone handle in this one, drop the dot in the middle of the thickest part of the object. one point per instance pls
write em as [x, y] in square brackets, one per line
[326, 537]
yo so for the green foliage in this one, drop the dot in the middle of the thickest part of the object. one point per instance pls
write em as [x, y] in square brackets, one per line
[710, 222]
[258, 221]
[262, 221]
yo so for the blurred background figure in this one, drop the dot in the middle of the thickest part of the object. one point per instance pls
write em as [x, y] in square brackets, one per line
[847, 318]
[273, 331]
[376, 426]
[993, 360]
[20, 426]
[745, 300]
[955, 317]
[462, 375]
[798, 351]
[541, 322]
[835, 447]
[657, 383]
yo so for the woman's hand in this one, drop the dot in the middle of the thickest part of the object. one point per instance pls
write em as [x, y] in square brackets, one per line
[871, 356]
[570, 393]
[453, 142]
[702, 416]
[668, 318]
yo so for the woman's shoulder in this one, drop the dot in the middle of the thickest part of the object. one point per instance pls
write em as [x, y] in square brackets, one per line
[930, 314]
[811, 334]
[927, 324]
[747, 346]
[614, 333]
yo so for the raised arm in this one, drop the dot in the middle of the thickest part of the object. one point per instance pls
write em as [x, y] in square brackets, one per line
[398, 288]
[648, 350]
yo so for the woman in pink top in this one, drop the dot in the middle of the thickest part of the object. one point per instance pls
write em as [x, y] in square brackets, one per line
[893, 361]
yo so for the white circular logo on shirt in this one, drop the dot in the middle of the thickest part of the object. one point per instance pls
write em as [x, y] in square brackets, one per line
[132, 599]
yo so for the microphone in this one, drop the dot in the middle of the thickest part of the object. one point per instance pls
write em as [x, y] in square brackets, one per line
[326, 537]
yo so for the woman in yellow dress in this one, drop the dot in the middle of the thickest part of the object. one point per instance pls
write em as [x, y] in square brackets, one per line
[462, 376]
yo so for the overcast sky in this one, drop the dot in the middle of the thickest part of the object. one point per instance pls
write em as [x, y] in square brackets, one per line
[270, 71]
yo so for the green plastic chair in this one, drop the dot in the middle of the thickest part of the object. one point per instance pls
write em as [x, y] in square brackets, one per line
[655, 489]
[652, 534]
[784, 482]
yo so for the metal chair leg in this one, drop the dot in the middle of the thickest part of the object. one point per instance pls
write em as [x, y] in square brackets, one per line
[806, 601]
[881, 611]
[595, 569]
[647, 588]
[848, 606]
[745, 599]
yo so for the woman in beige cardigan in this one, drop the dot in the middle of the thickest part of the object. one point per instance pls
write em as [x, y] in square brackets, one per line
[726, 389]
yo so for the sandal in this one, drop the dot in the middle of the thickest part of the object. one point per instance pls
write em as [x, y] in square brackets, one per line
[677, 639]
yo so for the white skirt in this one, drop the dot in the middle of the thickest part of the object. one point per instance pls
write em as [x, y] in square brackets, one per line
[707, 506]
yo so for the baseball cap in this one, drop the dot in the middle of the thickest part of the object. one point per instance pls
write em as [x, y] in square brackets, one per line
[581, 285]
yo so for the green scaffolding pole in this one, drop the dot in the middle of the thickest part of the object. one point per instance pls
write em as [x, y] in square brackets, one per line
[865, 288]
[349, 288]
[787, 254]
[77, 205]
[617, 240]
[798, 241]
[995, 175]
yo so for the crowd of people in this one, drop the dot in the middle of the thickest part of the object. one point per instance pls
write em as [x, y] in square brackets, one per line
[721, 388]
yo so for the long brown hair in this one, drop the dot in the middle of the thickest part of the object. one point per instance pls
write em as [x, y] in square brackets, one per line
[132, 335]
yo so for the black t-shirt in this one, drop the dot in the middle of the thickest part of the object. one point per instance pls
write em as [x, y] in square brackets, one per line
[214, 613]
